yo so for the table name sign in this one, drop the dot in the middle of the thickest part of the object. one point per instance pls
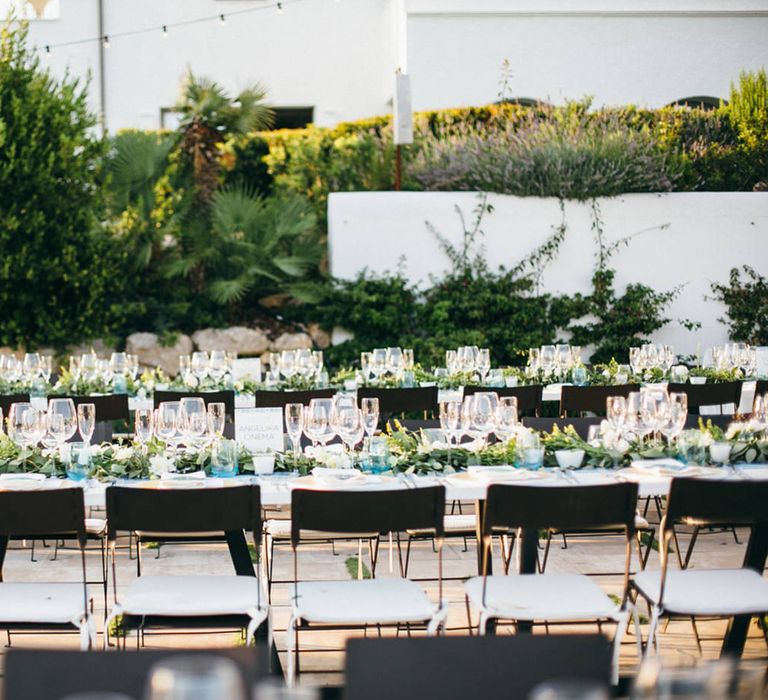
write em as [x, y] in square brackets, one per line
[260, 429]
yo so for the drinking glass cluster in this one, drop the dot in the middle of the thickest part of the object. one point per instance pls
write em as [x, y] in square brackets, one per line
[652, 411]
[34, 366]
[186, 422]
[735, 356]
[201, 365]
[554, 360]
[651, 356]
[386, 361]
[477, 416]
[90, 367]
[303, 363]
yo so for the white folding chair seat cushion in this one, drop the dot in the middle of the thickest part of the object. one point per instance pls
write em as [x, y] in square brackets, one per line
[191, 596]
[96, 526]
[373, 601]
[54, 603]
[554, 597]
[705, 592]
[281, 530]
[454, 524]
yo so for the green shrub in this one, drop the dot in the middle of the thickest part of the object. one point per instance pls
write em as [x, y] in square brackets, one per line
[747, 305]
[55, 270]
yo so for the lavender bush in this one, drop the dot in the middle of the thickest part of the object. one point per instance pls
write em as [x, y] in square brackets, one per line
[564, 152]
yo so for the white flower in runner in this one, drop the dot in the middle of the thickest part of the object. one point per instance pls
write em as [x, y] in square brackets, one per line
[160, 465]
[123, 453]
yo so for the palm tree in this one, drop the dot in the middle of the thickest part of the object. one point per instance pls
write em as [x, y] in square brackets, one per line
[208, 116]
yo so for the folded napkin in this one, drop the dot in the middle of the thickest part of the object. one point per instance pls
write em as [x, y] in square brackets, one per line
[330, 474]
[664, 466]
[16, 477]
[191, 476]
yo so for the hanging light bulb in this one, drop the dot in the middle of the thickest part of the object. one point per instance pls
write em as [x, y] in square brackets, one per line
[165, 31]
[222, 20]
[279, 8]
[105, 41]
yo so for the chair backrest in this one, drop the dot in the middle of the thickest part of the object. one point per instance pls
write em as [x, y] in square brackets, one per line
[715, 394]
[51, 675]
[44, 512]
[6, 400]
[528, 397]
[717, 502]
[580, 425]
[574, 399]
[278, 399]
[456, 668]
[183, 510]
[761, 388]
[225, 397]
[367, 511]
[562, 507]
[423, 398]
[108, 408]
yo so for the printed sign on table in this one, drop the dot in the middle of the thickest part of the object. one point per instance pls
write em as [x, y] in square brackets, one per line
[260, 429]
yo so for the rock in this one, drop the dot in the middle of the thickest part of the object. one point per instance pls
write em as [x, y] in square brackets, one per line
[152, 354]
[320, 337]
[98, 346]
[246, 342]
[291, 341]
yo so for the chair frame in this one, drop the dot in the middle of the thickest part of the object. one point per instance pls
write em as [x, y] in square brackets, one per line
[703, 503]
[178, 511]
[41, 514]
[569, 508]
[362, 511]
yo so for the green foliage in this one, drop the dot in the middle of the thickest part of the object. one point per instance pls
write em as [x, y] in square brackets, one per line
[50, 200]
[747, 305]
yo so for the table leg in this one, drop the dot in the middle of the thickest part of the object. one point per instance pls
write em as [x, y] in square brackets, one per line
[738, 627]
[480, 516]
[3, 550]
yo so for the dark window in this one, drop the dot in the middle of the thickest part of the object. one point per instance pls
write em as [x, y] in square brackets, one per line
[700, 101]
[293, 117]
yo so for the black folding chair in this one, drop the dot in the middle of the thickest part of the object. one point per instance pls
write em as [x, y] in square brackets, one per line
[718, 394]
[554, 597]
[47, 513]
[579, 399]
[709, 592]
[399, 401]
[52, 675]
[372, 602]
[225, 397]
[152, 602]
[528, 397]
[457, 668]
[761, 389]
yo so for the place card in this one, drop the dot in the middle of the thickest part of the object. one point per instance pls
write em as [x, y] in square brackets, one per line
[260, 429]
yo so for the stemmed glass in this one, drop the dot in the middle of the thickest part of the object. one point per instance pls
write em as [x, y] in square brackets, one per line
[31, 366]
[451, 361]
[408, 359]
[506, 417]
[217, 365]
[185, 368]
[395, 364]
[144, 426]
[199, 364]
[167, 424]
[118, 363]
[547, 359]
[483, 363]
[33, 426]
[89, 367]
[217, 418]
[133, 366]
[370, 408]
[616, 411]
[86, 421]
[294, 423]
[449, 422]
[16, 421]
[193, 419]
[74, 367]
[366, 359]
[349, 425]
[635, 360]
[483, 414]
[378, 363]
[534, 360]
[61, 420]
[317, 421]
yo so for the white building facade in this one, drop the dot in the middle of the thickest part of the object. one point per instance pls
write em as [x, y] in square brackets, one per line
[336, 58]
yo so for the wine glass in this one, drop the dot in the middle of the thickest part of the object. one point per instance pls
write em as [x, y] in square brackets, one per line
[133, 366]
[143, 426]
[274, 366]
[378, 362]
[31, 366]
[349, 425]
[61, 420]
[193, 419]
[451, 361]
[484, 414]
[118, 363]
[167, 423]
[534, 359]
[89, 366]
[547, 358]
[217, 418]
[305, 363]
[317, 355]
[217, 365]
[46, 367]
[317, 421]
[506, 417]
[16, 422]
[288, 363]
[86, 421]
[33, 426]
[408, 358]
[394, 362]
[370, 408]
[185, 368]
[616, 410]
[635, 360]
[365, 365]
[449, 422]
[294, 424]
[74, 367]
[483, 363]
[199, 364]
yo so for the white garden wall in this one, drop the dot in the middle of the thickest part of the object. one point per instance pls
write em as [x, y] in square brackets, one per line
[689, 239]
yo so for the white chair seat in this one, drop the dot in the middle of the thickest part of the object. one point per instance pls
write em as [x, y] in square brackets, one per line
[53, 603]
[453, 524]
[96, 526]
[192, 596]
[640, 523]
[149, 534]
[707, 591]
[374, 601]
[556, 597]
[281, 530]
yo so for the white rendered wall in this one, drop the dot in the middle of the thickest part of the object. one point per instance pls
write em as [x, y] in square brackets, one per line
[339, 57]
[704, 235]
